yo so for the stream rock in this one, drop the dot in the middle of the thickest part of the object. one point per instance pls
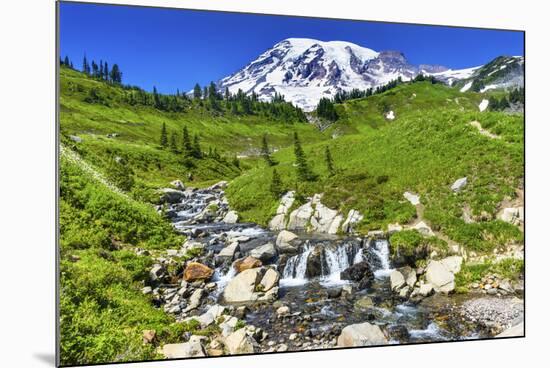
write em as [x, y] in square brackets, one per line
[284, 240]
[183, 350]
[246, 264]
[252, 286]
[512, 215]
[264, 253]
[231, 217]
[240, 343]
[171, 196]
[229, 251]
[361, 334]
[197, 271]
[440, 274]
[360, 272]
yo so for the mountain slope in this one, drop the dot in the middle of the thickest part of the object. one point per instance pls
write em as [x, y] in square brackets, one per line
[305, 70]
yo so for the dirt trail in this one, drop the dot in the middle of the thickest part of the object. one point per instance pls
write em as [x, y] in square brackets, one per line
[476, 124]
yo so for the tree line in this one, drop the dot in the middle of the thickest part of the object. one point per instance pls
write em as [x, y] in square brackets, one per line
[515, 97]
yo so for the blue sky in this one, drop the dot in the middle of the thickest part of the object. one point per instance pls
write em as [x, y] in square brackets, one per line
[172, 49]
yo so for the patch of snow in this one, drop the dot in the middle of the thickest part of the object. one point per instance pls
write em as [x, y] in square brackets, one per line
[483, 105]
[390, 115]
[466, 87]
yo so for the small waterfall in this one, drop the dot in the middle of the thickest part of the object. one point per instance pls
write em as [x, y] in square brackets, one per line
[294, 272]
[381, 250]
[358, 256]
[337, 260]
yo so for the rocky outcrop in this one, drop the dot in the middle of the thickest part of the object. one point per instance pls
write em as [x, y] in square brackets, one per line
[361, 334]
[278, 222]
[251, 286]
[413, 198]
[512, 215]
[325, 220]
[353, 218]
[299, 218]
[197, 271]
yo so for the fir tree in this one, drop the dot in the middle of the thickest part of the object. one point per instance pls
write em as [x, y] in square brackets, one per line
[66, 61]
[197, 92]
[85, 65]
[325, 109]
[106, 71]
[116, 74]
[328, 161]
[187, 146]
[163, 136]
[265, 152]
[302, 167]
[174, 142]
[276, 187]
[197, 152]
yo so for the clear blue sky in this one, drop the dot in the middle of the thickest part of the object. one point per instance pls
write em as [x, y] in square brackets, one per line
[172, 48]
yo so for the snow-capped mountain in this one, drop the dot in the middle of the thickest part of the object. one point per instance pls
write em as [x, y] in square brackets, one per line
[502, 72]
[304, 70]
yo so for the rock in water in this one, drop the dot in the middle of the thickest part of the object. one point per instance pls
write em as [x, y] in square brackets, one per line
[264, 253]
[170, 195]
[283, 242]
[197, 271]
[231, 217]
[353, 218]
[246, 264]
[361, 334]
[359, 272]
[397, 280]
[252, 286]
[240, 343]
[184, 350]
[459, 184]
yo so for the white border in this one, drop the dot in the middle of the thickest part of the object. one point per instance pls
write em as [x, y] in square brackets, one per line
[27, 183]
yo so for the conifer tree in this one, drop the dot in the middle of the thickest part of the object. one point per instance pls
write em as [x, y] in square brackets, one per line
[116, 74]
[174, 142]
[197, 152]
[187, 146]
[276, 187]
[85, 65]
[66, 61]
[163, 136]
[265, 152]
[302, 167]
[328, 161]
[197, 92]
[106, 71]
[205, 93]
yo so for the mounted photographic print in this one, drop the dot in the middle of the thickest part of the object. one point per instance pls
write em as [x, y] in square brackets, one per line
[234, 183]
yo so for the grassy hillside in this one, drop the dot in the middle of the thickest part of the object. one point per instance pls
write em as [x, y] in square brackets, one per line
[137, 131]
[425, 149]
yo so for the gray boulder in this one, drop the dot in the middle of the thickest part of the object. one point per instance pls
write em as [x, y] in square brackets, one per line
[183, 350]
[440, 274]
[361, 334]
[239, 342]
[265, 252]
[353, 218]
[170, 195]
[459, 184]
[255, 285]
[231, 217]
[284, 240]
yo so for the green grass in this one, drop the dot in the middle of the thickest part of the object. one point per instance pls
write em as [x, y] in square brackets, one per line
[508, 268]
[424, 150]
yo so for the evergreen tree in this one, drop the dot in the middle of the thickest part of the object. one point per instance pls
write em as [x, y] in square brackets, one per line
[328, 161]
[325, 109]
[197, 92]
[302, 167]
[66, 61]
[205, 93]
[174, 142]
[116, 74]
[163, 136]
[234, 108]
[265, 152]
[106, 71]
[95, 70]
[197, 152]
[227, 94]
[101, 72]
[85, 65]
[156, 98]
[187, 146]
[276, 187]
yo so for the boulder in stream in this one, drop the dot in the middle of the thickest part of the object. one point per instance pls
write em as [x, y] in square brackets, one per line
[361, 334]
[265, 252]
[246, 264]
[197, 271]
[359, 272]
[255, 285]
[239, 342]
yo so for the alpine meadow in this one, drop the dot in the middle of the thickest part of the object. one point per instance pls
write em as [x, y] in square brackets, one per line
[324, 195]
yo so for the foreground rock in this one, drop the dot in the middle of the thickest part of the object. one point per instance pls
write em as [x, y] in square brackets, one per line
[264, 253]
[183, 350]
[512, 215]
[246, 264]
[441, 274]
[362, 334]
[254, 285]
[284, 240]
[239, 342]
[171, 196]
[231, 217]
[197, 271]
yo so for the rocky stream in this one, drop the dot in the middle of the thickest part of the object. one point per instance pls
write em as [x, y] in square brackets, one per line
[265, 290]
